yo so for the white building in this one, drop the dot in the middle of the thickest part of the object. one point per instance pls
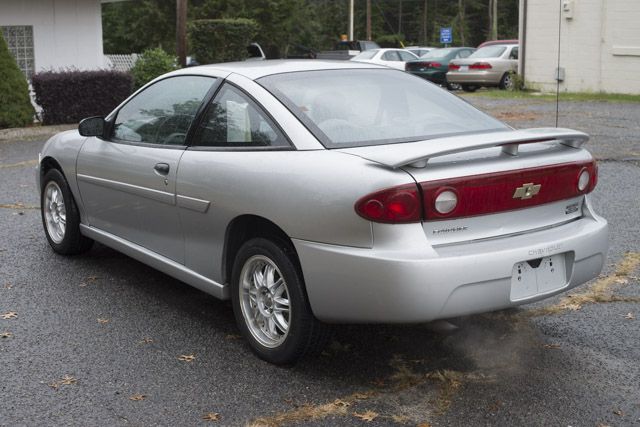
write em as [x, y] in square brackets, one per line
[598, 42]
[53, 34]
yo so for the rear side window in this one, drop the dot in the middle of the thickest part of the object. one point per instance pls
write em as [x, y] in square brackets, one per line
[488, 52]
[390, 55]
[235, 120]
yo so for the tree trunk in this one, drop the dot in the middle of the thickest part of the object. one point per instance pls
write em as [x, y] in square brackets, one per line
[461, 21]
[368, 19]
[424, 24]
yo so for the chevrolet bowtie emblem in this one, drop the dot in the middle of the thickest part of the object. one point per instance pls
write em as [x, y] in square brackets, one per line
[527, 191]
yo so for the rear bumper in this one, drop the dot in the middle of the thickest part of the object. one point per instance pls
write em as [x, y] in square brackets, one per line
[419, 283]
[431, 75]
[483, 78]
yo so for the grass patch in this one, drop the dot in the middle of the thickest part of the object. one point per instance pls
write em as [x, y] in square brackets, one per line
[601, 291]
[564, 96]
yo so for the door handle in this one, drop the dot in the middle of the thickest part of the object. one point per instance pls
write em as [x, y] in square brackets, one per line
[162, 168]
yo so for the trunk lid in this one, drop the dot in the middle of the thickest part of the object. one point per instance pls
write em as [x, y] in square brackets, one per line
[506, 182]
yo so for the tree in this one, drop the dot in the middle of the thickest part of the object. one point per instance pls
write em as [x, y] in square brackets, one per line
[15, 105]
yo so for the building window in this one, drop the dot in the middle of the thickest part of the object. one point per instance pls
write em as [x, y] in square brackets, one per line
[19, 38]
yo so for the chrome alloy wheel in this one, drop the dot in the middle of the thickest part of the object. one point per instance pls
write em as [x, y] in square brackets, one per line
[264, 301]
[55, 213]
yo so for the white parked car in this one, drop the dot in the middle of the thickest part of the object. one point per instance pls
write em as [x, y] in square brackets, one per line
[394, 58]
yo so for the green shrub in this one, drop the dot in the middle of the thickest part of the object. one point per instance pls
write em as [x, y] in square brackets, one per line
[15, 106]
[221, 40]
[391, 40]
[151, 64]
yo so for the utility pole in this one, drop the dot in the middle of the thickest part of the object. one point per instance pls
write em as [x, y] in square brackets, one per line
[351, 19]
[181, 32]
[368, 19]
[494, 22]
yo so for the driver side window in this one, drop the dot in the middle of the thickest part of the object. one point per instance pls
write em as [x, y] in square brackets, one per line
[162, 113]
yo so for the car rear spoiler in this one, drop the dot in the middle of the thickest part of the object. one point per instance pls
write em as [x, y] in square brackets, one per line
[417, 154]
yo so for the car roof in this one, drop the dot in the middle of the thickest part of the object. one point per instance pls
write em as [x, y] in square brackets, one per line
[496, 42]
[257, 69]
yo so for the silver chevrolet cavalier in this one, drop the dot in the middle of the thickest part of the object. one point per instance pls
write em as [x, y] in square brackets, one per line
[313, 192]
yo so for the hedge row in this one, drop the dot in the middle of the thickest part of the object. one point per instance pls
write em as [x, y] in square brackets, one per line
[70, 96]
[221, 40]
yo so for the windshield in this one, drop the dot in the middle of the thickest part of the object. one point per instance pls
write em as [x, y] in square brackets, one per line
[359, 107]
[367, 54]
[488, 52]
[438, 53]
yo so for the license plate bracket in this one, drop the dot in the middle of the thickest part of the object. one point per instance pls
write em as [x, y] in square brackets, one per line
[538, 276]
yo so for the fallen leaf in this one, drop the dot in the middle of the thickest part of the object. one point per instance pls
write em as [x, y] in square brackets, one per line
[629, 316]
[187, 357]
[621, 281]
[551, 346]
[68, 380]
[233, 337]
[361, 396]
[9, 315]
[8, 286]
[136, 397]
[54, 385]
[367, 416]
[400, 419]
[103, 321]
[618, 412]
[211, 416]
[92, 278]
[146, 340]
[342, 403]
[425, 424]
[6, 335]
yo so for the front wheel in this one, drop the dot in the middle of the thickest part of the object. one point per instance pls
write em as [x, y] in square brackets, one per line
[270, 303]
[60, 216]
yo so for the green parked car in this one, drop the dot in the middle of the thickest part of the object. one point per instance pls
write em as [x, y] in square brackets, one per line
[434, 65]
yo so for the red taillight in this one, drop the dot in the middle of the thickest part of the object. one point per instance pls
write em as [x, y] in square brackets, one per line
[509, 190]
[477, 194]
[394, 205]
[453, 67]
[434, 64]
[480, 66]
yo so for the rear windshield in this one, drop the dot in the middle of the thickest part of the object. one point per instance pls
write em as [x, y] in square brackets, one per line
[367, 54]
[437, 53]
[360, 107]
[488, 52]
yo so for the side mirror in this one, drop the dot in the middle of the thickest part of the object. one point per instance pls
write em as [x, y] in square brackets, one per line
[92, 126]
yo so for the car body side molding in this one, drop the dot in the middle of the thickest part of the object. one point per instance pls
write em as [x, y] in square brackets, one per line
[149, 193]
[197, 205]
[159, 262]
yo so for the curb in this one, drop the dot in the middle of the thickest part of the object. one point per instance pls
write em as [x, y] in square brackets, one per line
[33, 132]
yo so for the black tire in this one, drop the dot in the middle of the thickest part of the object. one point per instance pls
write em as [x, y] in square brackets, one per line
[453, 86]
[469, 88]
[305, 333]
[506, 82]
[71, 241]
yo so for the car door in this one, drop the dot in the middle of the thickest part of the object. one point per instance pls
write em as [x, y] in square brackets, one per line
[127, 181]
[233, 147]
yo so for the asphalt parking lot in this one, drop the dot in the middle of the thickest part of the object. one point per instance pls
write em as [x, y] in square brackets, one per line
[102, 340]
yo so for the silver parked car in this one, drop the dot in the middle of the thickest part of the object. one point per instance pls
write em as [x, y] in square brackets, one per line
[313, 192]
[492, 65]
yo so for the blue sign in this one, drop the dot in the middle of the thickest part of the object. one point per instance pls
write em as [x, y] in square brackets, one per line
[446, 35]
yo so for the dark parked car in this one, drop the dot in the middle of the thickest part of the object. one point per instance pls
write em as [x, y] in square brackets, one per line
[434, 65]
